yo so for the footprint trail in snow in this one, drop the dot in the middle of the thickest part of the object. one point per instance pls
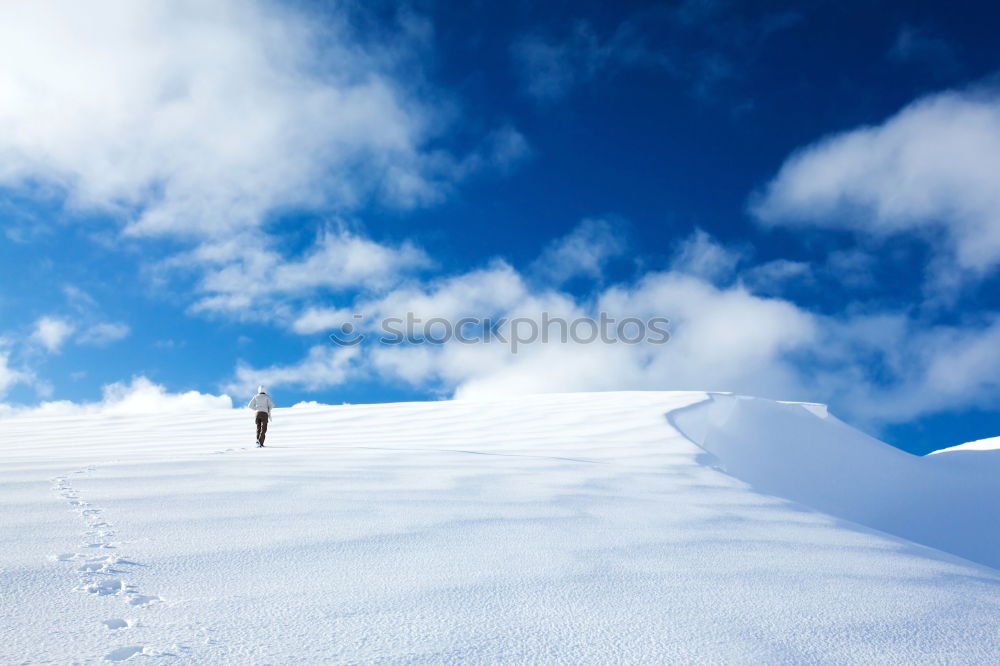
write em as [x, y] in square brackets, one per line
[100, 569]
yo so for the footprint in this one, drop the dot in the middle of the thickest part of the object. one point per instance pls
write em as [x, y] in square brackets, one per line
[121, 654]
[66, 557]
[110, 586]
[116, 623]
[98, 565]
[143, 600]
[94, 566]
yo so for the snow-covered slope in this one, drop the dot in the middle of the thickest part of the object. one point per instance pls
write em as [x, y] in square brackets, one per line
[553, 529]
[800, 452]
[988, 444]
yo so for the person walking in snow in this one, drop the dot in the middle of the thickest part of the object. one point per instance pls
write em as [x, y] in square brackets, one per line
[263, 404]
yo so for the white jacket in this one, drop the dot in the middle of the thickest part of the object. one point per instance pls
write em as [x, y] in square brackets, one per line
[262, 403]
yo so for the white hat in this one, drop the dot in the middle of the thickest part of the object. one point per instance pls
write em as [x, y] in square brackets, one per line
[260, 389]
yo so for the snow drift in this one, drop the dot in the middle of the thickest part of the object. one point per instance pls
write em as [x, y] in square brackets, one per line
[799, 451]
[988, 444]
[588, 528]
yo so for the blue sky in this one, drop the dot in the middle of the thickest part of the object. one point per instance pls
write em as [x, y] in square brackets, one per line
[809, 191]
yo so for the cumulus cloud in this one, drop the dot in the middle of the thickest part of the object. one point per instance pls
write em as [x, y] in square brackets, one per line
[247, 274]
[139, 396]
[210, 122]
[890, 367]
[205, 118]
[495, 289]
[52, 332]
[721, 338]
[481, 292]
[875, 367]
[932, 169]
[323, 367]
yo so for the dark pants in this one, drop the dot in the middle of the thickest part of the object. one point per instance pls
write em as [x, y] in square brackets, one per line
[261, 427]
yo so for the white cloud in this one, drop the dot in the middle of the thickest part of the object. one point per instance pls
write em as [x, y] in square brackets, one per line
[343, 259]
[726, 339]
[140, 396]
[721, 338]
[210, 121]
[78, 298]
[700, 254]
[488, 291]
[52, 332]
[875, 367]
[247, 275]
[204, 118]
[10, 376]
[103, 333]
[324, 366]
[581, 253]
[886, 367]
[320, 319]
[933, 168]
[495, 289]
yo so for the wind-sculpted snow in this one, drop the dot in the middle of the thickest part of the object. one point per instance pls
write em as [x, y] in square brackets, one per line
[800, 452]
[988, 444]
[552, 529]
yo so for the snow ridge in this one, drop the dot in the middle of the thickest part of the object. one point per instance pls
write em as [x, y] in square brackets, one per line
[800, 452]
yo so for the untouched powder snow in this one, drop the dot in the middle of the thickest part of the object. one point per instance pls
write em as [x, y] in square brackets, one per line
[584, 528]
